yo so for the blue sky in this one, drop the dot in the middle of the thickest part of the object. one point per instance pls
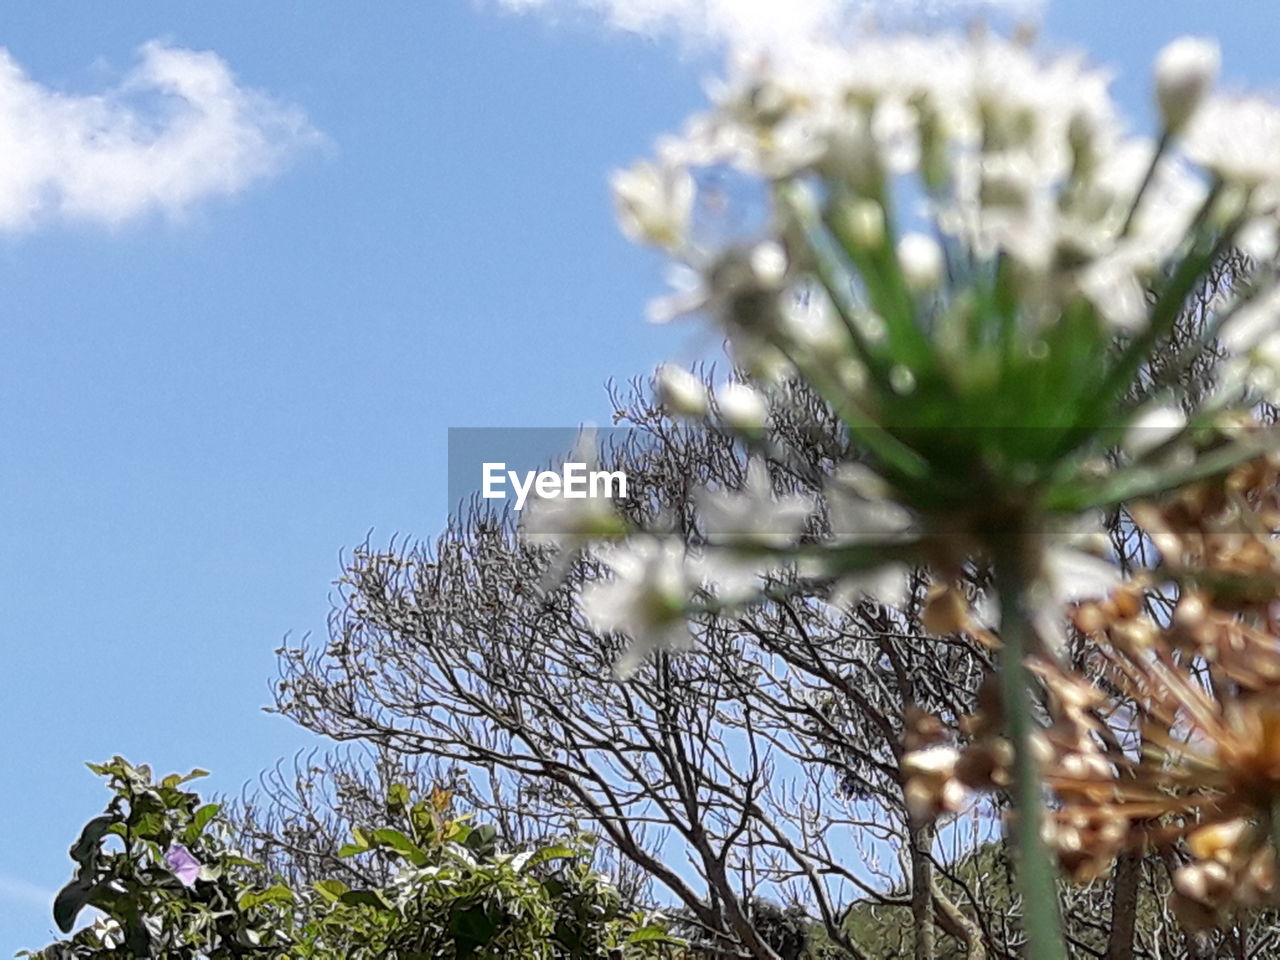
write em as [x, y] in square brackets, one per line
[231, 356]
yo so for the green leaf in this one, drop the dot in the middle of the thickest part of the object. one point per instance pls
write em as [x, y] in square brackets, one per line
[472, 928]
[70, 900]
[331, 890]
[397, 797]
[557, 851]
[149, 826]
[278, 893]
[199, 820]
[401, 844]
[651, 934]
[352, 849]
[174, 779]
[481, 839]
[368, 898]
[90, 837]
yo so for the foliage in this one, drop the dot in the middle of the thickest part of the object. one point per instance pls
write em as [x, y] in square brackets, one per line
[159, 867]
[121, 870]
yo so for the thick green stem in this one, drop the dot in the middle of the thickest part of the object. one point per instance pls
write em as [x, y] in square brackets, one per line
[1017, 571]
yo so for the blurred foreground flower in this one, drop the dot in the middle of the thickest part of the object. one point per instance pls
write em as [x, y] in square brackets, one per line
[971, 261]
[957, 245]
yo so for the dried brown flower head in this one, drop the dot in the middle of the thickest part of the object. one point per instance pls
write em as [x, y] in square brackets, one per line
[1167, 735]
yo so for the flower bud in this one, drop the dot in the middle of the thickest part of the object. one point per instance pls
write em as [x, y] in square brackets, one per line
[1152, 428]
[654, 203]
[920, 258]
[742, 408]
[864, 222]
[681, 392]
[1185, 70]
[768, 262]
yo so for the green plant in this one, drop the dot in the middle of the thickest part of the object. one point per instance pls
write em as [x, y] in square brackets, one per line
[161, 867]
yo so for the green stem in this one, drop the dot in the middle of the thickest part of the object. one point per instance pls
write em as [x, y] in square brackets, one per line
[1016, 570]
[1162, 147]
[1141, 482]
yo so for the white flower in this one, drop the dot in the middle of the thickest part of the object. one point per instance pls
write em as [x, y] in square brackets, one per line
[921, 261]
[568, 523]
[108, 932]
[755, 516]
[654, 203]
[861, 508]
[681, 392]
[739, 287]
[768, 262]
[1255, 367]
[689, 294]
[888, 585]
[1258, 238]
[1252, 322]
[1152, 428]
[811, 327]
[1238, 138]
[654, 579]
[1114, 285]
[742, 407]
[1185, 70]
[1265, 375]
[1170, 202]
[1071, 574]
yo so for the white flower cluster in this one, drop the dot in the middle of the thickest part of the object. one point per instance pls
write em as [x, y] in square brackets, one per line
[1003, 153]
[656, 578]
[955, 227]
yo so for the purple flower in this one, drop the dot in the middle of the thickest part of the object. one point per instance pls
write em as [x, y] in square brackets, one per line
[184, 866]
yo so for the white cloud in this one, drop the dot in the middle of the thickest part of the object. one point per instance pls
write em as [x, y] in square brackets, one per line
[759, 23]
[21, 891]
[176, 129]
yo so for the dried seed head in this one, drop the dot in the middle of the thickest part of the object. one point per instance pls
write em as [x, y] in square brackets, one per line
[931, 788]
[946, 611]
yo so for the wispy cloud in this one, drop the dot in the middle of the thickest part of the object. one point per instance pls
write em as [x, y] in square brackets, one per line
[17, 890]
[177, 128]
[759, 23]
